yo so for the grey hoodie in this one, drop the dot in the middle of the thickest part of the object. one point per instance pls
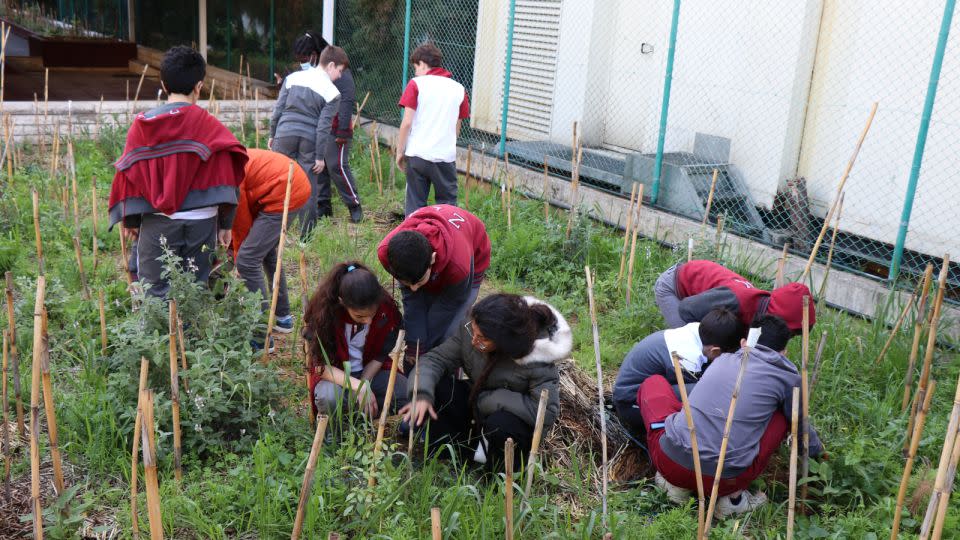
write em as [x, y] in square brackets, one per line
[306, 107]
[767, 387]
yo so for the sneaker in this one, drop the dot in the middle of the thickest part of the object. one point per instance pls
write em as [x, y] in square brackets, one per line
[257, 346]
[284, 325]
[739, 503]
[356, 214]
[674, 493]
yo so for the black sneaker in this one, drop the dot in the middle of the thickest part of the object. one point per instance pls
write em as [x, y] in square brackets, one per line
[356, 214]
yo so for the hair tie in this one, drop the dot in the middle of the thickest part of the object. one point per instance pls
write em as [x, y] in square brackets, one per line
[351, 268]
[308, 35]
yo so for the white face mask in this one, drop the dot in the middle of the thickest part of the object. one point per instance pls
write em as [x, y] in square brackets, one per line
[305, 66]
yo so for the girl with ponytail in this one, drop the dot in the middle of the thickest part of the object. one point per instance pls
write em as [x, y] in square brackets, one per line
[508, 347]
[351, 319]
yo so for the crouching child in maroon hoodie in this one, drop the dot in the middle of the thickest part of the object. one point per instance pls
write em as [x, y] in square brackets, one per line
[439, 255]
[176, 184]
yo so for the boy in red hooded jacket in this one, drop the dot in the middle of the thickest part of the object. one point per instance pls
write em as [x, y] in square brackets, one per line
[688, 291]
[176, 182]
[439, 255]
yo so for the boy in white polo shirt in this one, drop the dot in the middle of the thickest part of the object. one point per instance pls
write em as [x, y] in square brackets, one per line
[434, 107]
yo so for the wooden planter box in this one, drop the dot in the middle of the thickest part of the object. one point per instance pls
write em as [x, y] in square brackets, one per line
[73, 51]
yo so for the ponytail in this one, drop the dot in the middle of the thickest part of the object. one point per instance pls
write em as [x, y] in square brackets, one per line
[309, 44]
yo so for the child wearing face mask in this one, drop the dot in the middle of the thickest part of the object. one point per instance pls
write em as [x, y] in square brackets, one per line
[302, 123]
[352, 319]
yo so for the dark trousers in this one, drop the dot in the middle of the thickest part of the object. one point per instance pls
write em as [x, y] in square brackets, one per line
[421, 174]
[303, 151]
[337, 160]
[258, 253]
[193, 241]
[455, 426]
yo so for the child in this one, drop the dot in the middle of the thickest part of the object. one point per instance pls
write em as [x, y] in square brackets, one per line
[697, 344]
[256, 230]
[351, 318]
[509, 348]
[176, 182]
[687, 291]
[434, 106]
[303, 116]
[759, 424]
[439, 255]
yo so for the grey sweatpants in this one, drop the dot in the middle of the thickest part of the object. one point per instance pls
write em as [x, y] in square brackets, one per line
[192, 240]
[304, 152]
[258, 253]
[421, 174]
[667, 298]
[337, 160]
[327, 395]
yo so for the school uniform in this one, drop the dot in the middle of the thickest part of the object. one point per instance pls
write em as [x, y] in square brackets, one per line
[337, 153]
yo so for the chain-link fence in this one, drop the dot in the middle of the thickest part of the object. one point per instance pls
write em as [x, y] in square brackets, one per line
[771, 96]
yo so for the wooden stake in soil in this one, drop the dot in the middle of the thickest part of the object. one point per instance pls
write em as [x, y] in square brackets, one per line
[752, 338]
[899, 323]
[123, 255]
[436, 529]
[416, 383]
[780, 280]
[14, 359]
[175, 391]
[931, 336]
[183, 352]
[134, 457]
[836, 200]
[530, 471]
[35, 409]
[360, 106]
[93, 204]
[946, 459]
[6, 424]
[913, 437]
[921, 320]
[633, 243]
[256, 116]
[136, 96]
[816, 360]
[149, 449]
[466, 179]
[50, 409]
[833, 244]
[508, 487]
[701, 503]
[626, 233]
[36, 231]
[948, 489]
[792, 503]
[83, 275]
[805, 395]
[308, 476]
[600, 409]
[272, 316]
[396, 358]
[73, 181]
[713, 187]
[103, 323]
[574, 187]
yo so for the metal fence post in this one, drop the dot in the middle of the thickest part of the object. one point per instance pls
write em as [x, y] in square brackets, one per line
[406, 44]
[665, 106]
[506, 80]
[945, 22]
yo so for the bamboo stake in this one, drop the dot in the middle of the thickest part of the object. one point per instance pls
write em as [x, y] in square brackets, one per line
[175, 391]
[356, 119]
[600, 410]
[436, 530]
[792, 503]
[134, 458]
[816, 360]
[272, 316]
[6, 425]
[83, 275]
[626, 232]
[752, 338]
[931, 336]
[920, 321]
[7, 155]
[304, 301]
[633, 242]
[308, 476]
[946, 458]
[508, 487]
[721, 221]
[99, 117]
[372, 176]
[50, 408]
[914, 442]
[530, 471]
[396, 357]
[136, 96]
[93, 204]
[546, 212]
[378, 159]
[574, 188]
[780, 280]
[149, 449]
[713, 187]
[416, 383]
[14, 358]
[55, 151]
[685, 400]
[689, 249]
[35, 410]
[183, 352]
[948, 489]
[836, 199]
[897, 325]
[833, 243]
[805, 396]
[36, 231]
[103, 323]
[256, 115]
[509, 182]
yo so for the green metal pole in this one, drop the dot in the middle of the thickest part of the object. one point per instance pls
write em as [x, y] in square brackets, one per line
[406, 43]
[506, 81]
[665, 105]
[273, 35]
[922, 138]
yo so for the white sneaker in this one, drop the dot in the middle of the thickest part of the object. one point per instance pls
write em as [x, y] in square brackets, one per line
[674, 493]
[748, 501]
